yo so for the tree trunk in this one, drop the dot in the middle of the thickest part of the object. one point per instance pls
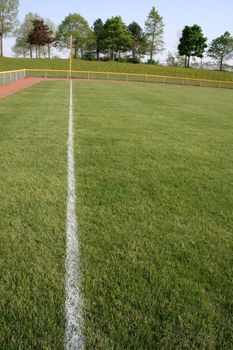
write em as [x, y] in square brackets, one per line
[188, 62]
[39, 51]
[1, 45]
[221, 63]
[151, 53]
[49, 51]
[75, 52]
[134, 53]
[97, 54]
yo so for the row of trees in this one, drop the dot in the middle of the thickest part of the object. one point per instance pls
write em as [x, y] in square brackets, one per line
[110, 40]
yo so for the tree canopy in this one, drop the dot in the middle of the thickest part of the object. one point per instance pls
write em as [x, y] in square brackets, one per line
[75, 25]
[221, 49]
[40, 35]
[109, 40]
[192, 43]
[22, 45]
[8, 19]
[154, 29]
[98, 28]
[138, 39]
[116, 36]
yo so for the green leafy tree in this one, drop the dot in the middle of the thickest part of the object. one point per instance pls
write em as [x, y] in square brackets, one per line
[22, 47]
[78, 27]
[192, 43]
[221, 49]
[98, 28]
[154, 29]
[116, 36]
[139, 40]
[8, 19]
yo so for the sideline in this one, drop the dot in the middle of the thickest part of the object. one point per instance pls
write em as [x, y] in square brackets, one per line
[74, 339]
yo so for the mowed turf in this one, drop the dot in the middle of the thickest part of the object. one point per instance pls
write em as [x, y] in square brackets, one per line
[154, 186]
[154, 168]
[33, 173]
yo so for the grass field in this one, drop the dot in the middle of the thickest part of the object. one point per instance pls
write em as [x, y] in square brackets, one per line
[33, 132]
[21, 63]
[154, 186]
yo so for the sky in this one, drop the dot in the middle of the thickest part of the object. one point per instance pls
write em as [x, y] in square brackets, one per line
[214, 16]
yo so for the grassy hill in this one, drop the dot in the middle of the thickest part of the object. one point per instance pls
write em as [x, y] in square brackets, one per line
[20, 63]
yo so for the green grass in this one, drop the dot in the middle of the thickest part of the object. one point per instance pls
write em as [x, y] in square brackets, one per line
[154, 186]
[21, 63]
[33, 134]
[154, 182]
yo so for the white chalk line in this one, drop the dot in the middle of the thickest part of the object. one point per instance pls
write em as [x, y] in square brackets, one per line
[74, 339]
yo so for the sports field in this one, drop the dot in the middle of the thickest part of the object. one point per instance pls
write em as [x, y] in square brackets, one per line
[153, 173]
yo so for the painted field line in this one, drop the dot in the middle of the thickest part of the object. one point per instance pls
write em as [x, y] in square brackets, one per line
[74, 339]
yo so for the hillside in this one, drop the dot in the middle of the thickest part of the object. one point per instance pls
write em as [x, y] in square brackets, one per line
[7, 64]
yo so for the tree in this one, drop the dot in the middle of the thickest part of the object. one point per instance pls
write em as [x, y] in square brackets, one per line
[98, 28]
[171, 60]
[40, 34]
[192, 43]
[154, 28]
[8, 19]
[221, 49]
[22, 47]
[117, 37]
[138, 38]
[77, 26]
[175, 60]
[52, 29]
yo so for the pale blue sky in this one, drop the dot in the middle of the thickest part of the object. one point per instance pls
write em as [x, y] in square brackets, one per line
[214, 16]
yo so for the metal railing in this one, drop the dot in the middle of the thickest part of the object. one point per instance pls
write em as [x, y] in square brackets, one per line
[12, 76]
[128, 77]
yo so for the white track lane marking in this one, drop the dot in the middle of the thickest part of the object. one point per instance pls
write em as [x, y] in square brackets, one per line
[74, 339]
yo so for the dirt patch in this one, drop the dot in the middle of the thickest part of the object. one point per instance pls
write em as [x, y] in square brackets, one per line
[7, 90]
